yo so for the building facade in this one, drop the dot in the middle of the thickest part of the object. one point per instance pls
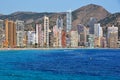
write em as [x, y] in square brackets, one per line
[63, 39]
[41, 39]
[20, 33]
[91, 23]
[59, 24]
[46, 31]
[98, 34]
[39, 35]
[103, 42]
[112, 37]
[69, 20]
[51, 39]
[31, 38]
[91, 41]
[10, 34]
[74, 39]
[55, 36]
[82, 33]
[68, 29]
[2, 33]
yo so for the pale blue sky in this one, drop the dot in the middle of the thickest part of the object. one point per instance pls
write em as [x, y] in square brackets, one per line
[10, 6]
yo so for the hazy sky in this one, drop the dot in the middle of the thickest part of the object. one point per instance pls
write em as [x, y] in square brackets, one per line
[10, 6]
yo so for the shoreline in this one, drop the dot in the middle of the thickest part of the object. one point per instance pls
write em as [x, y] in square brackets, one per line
[52, 48]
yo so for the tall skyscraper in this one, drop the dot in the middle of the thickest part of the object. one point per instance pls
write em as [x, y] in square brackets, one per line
[55, 36]
[82, 31]
[2, 33]
[51, 38]
[59, 24]
[87, 37]
[39, 35]
[112, 37]
[98, 34]
[46, 31]
[20, 32]
[69, 20]
[42, 38]
[10, 34]
[68, 29]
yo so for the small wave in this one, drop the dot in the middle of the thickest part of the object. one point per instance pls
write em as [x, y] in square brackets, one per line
[102, 58]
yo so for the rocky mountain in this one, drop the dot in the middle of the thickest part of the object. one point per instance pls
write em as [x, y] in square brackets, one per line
[81, 15]
[25, 16]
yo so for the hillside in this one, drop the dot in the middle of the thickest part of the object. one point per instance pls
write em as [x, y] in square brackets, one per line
[113, 19]
[81, 15]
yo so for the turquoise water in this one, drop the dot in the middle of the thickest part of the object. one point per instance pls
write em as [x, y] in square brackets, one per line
[78, 64]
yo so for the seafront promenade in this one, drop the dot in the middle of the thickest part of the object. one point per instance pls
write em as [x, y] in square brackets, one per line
[36, 48]
[51, 48]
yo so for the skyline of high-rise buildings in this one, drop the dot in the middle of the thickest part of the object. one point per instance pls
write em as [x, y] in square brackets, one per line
[59, 36]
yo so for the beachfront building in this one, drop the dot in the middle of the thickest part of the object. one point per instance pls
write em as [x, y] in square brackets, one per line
[68, 29]
[2, 33]
[87, 37]
[103, 42]
[55, 36]
[91, 41]
[112, 37]
[31, 36]
[63, 39]
[69, 20]
[39, 35]
[51, 38]
[25, 39]
[98, 34]
[20, 33]
[10, 34]
[42, 38]
[81, 35]
[59, 24]
[46, 31]
[74, 39]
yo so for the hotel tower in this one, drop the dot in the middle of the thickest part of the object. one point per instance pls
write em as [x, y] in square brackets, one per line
[10, 34]
[46, 31]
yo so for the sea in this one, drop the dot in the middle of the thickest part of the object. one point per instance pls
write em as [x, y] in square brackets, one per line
[60, 64]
